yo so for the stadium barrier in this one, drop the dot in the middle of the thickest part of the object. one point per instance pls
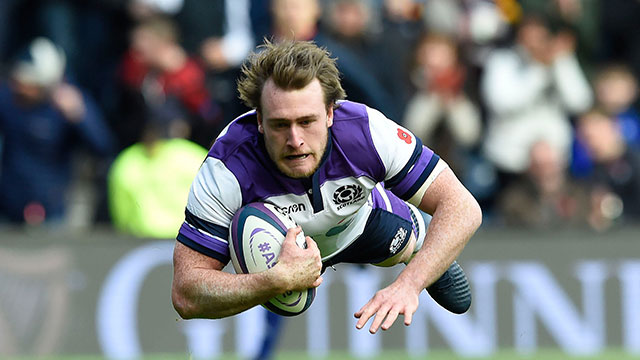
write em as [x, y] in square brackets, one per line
[104, 293]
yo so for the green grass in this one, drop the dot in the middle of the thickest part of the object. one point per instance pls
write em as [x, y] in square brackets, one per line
[550, 354]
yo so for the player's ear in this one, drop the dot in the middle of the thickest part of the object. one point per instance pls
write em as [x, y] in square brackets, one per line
[259, 118]
[329, 115]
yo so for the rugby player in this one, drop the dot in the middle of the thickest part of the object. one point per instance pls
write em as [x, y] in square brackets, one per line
[352, 180]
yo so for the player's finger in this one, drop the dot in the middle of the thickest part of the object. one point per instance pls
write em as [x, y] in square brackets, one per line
[292, 233]
[311, 244]
[361, 311]
[364, 316]
[317, 282]
[391, 318]
[377, 320]
[408, 316]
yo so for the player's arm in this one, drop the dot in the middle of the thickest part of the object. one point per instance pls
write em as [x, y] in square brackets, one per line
[202, 290]
[414, 173]
[456, 217]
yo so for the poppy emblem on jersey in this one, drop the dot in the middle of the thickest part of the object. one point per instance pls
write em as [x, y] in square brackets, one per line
[404, 136]
[347, 195]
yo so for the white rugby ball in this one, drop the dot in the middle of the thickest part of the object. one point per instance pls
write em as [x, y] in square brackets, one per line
[255, 238]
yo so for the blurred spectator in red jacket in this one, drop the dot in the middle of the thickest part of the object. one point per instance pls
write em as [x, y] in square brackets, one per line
[162, 82]
[440, 113]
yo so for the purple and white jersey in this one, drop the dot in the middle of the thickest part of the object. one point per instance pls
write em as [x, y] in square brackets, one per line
[364, 151]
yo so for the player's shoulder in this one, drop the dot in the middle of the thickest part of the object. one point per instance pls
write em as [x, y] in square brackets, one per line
[352, 119]
[349, 113]
[240, 133]
[346, 110]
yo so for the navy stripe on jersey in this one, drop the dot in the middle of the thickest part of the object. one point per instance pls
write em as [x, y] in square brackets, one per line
[203, 249]
[412, 161]
[423, 177]
[209, 227]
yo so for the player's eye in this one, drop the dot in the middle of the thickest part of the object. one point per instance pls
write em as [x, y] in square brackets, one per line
[306, 122]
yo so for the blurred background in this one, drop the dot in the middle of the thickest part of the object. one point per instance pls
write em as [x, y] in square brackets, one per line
[107, 108]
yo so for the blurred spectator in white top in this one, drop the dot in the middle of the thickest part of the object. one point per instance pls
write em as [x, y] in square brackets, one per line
[531, 90]
[440, 113]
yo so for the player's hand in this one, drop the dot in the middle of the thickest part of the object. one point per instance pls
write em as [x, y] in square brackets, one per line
[299, 268]
[396, 299]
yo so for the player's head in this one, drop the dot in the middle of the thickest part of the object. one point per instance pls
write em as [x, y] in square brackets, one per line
[290, 65]
[294, 87]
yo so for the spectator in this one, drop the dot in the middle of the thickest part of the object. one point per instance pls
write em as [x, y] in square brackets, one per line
[585, 18]
[42, 119]
[401, 29]
[531, 90]
[298, 19]
[161, 81]
[219, 33]
[352, 23]
[441, 100]
[544, 197]
[616, 175]
[149, 182]
[616, 90]
[616, 93]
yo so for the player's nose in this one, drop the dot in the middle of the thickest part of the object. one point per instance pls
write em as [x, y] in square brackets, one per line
[294, 138]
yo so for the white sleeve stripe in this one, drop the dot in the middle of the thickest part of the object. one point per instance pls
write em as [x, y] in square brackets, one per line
[384, 196]
[203, 232]
[416, 199]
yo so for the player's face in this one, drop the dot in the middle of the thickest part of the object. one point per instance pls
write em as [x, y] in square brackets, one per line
[295, 124]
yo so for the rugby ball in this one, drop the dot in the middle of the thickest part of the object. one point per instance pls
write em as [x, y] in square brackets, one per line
[255, 238]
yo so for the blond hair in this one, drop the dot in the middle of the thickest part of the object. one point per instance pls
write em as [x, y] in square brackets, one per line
[291, 65]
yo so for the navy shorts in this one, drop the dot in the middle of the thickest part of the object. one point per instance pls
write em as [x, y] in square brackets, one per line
[387, 232]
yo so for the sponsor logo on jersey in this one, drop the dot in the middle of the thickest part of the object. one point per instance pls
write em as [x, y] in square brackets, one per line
[398, 239]
[347, 194]
[293, 208]
[404, 136]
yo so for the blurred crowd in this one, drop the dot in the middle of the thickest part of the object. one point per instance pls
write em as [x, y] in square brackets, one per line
[107, 107]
